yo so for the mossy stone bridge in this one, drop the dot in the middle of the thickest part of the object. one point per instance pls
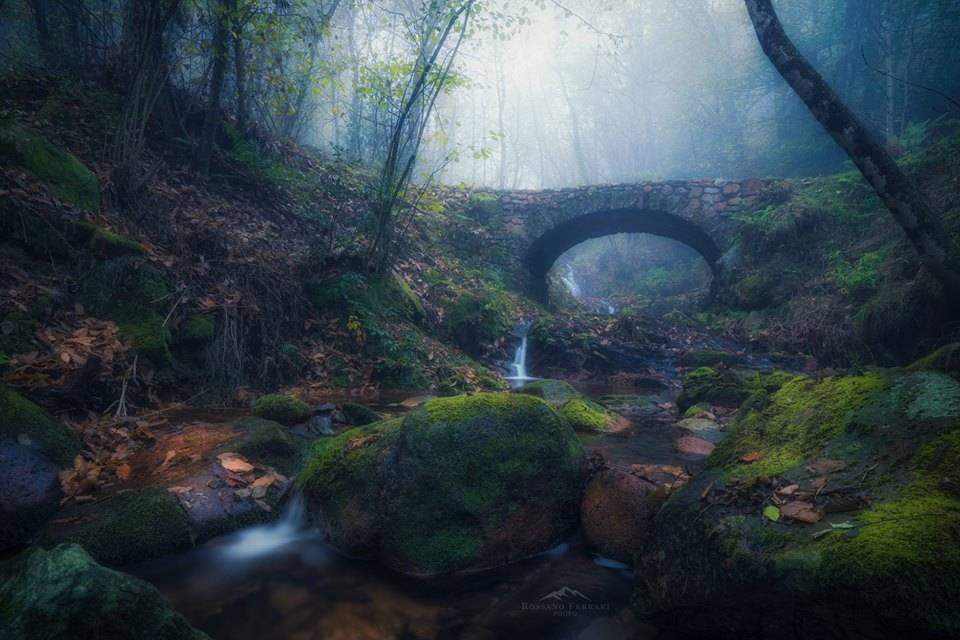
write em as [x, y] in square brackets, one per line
[537, 227]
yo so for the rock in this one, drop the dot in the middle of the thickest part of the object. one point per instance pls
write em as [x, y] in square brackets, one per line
[29, 491]
[269, 443]
[63, 593]
[359, 415]
[693, 446]
[632, 406]
[591, 417]
[555, 392]
[710, 358]
[461, 483]
[281, 408]
[19, 416]
[129, 526]
[702, 428]
[617, 512]
[877, 450]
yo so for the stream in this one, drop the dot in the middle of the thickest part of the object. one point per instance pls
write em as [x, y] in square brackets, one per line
[281, 581]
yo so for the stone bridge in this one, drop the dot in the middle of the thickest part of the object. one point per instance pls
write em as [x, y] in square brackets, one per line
[537, 227]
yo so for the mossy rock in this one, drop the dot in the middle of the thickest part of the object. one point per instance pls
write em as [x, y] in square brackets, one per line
[65, 176]
[199, 328]
[706, 385]
[554, 392]
[710, 359]
[461, 483]
[583, 415]
[946, 359]
[477, 319]
[20, 416]
[105, 243]
[269, 443]
[892, 566]
[359, 415]
[365, 296]
[63, 593]
[282, 408]
[129, 526]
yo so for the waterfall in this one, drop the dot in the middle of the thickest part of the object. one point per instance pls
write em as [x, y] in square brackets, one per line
[570, 280]
[519, 365]
[267, 538]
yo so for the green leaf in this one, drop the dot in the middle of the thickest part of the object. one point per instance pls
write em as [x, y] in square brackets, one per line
[771, 513]
[843, 525]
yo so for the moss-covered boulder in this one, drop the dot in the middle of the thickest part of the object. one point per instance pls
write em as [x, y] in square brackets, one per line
[831, 507]
[461, 483]
[19, 417]
[129, 526]
[706, 385]
[65, 176]
[554, 392]
[946, 359]
[63, 593]
[268, 443]
[281, 408]
[587, 416]
[359, 415]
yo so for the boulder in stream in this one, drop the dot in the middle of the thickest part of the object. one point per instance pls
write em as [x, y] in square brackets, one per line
[461, 483]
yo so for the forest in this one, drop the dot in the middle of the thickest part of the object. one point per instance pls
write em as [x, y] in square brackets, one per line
[479, 319]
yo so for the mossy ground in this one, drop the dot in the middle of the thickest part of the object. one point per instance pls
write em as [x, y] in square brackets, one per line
[129, 526]
[898, 435]
[65, 176]
[21, 416]
[281, 408]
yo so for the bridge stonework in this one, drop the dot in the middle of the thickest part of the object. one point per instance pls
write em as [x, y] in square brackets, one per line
[535, 227]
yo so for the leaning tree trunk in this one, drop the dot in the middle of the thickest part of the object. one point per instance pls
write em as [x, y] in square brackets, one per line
[906, 202]
[211, 123]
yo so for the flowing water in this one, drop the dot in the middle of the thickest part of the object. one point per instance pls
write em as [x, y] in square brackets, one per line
[518, 368]
[281, 581]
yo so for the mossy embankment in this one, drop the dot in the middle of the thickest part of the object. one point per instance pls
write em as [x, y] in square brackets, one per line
[830, 502]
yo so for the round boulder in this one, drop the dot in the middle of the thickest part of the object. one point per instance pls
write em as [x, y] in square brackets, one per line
[29, 491]
[461, 483]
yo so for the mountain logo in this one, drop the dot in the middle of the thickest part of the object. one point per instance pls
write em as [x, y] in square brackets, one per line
[565, 594]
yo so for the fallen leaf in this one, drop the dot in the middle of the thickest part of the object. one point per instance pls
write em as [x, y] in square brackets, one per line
[234, 462]
[752, 456]
[801, 512]
[771, 513]
[259, 492]
[123, 471]
[843, 525]
[788, 490]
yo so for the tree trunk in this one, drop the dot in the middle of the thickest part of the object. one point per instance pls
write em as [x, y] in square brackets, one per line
[905, 201]
[212, 120]
[240, 76]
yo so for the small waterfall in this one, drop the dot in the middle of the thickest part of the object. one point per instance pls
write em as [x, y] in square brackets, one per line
[570, 280]
[267, 538]
[519, 365]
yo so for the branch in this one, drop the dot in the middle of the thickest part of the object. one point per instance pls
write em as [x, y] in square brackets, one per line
[908, 83]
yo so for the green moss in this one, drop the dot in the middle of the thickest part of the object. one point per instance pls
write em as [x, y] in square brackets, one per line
[696, 411]
[435, 485]
[149, 337]
[281, 408]
[555, 392]
[793, 423]
[358, 414]
[705, 385]
[129, 526]
[269, 443]
[199, 328]
[709, 358]
[108, 244]
[906, 557]
[65, 176]
[583, 415]
[63, 593]
[20, 416]
[477, 319]
[946, 359]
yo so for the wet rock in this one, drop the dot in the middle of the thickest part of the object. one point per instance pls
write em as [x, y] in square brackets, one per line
[617, 513]
[63, 593]
[359, 415]
[281, 408]
[554, 392]
[29, 491]
[460, 483]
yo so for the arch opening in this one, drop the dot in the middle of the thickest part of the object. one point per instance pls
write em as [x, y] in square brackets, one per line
[546, 249]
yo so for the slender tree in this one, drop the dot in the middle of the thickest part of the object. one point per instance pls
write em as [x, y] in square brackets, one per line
[908, 205]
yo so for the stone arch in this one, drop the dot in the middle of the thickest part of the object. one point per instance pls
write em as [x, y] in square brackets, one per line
[556, 241]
